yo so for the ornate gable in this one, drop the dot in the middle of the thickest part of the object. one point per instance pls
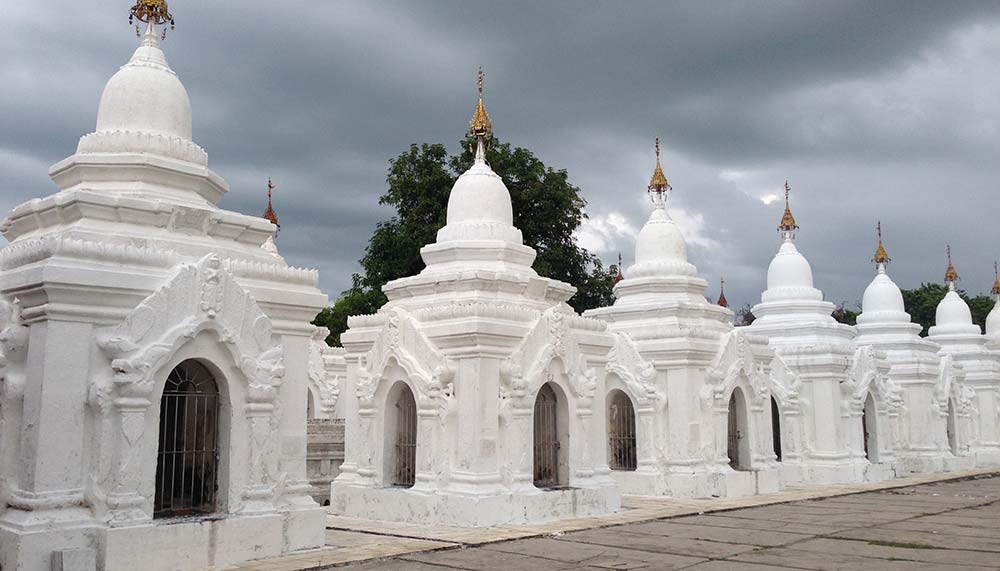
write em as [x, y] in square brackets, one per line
[199, 297]
[734, 359]
[322, 370]
[401, 340]
[637, 373]
[552, 337]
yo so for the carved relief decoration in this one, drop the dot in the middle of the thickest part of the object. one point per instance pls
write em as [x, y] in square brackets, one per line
[401, 340]
[638, 374]
[735, 359]
[198, 297]
[551, 337]
[870, 372]
[323, 372]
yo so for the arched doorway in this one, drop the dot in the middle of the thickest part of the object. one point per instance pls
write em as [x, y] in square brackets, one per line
[776, 427]
[870, 430]
[951, 428]
[550, 434]
[401, 431]
[188, 453]
[621, 432]
[738, 444]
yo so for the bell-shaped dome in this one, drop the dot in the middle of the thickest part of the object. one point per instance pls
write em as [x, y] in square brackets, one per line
[882, 295]
[479, 206]
[660, 248]
[789, 270]
[145, 109]
[953, 316]
[993, 321]
[146, 95]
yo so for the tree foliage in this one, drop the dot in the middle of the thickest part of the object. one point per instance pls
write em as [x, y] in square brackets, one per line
[548, 210]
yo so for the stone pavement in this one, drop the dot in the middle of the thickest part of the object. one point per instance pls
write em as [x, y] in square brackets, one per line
[918, 523]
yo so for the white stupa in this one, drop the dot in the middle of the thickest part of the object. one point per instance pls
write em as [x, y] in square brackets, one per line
[133, 313]
[831, 430]
[933, 433]
[675, 350]
[963, 340]
[993, 318]
[474, 395]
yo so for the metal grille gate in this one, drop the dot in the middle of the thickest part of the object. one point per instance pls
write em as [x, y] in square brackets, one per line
[864, 431]
[733, 440]
[621, 433]
[188, 457]
[406, 440]
[546, 439]
[776, 428]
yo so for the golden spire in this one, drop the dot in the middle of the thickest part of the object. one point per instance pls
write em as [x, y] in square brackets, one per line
[996, 280]
[480, 126]
[270, 214]
[722, 293]
[618, 271]
[153, 13]
[658, 183]
[950, 275]
[787, 220]
[881, 256]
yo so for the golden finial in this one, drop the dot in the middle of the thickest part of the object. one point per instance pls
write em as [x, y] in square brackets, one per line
[996, 280]
[480, 125]
[787, 220]
[618, 271]
[723, 302]
[270, 214]
[881, 256]
[153, 13]
[658, 183]
[950, 275]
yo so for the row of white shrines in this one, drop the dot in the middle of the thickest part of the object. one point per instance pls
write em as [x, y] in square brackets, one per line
[158, 366]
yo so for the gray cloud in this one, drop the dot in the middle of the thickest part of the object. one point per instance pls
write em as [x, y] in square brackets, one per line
[872, 110]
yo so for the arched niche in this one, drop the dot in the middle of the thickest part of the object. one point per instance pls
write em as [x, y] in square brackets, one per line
[738, 432]
[188, 455]
[869, 427]
[400, 451]
[621, 431]
[550, 437]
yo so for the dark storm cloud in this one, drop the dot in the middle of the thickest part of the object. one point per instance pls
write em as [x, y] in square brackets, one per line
[872, 110]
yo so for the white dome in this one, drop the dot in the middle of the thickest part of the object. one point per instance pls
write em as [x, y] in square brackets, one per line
[952, 311]
[146, 96]
[993, 321]
[953, 317]
[479, 208]
[660, 249]
[660, 240]
[789, 269]
[882, 296]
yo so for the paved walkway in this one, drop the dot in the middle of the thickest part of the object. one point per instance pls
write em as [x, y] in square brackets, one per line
[918, 523]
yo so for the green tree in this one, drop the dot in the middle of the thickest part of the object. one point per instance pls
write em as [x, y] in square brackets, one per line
[844, 315]
[921, 303]
[548, 210]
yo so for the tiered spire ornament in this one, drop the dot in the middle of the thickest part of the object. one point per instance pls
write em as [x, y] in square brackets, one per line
[480, 126]
[787, 226]
[723, 302]
[950, 275]
[881, 256]
[658, 184]
[153, 13]
[270, 214]
[996, 283]
[618, 270]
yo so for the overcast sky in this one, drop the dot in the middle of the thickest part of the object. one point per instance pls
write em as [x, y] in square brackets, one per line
[872, 110]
